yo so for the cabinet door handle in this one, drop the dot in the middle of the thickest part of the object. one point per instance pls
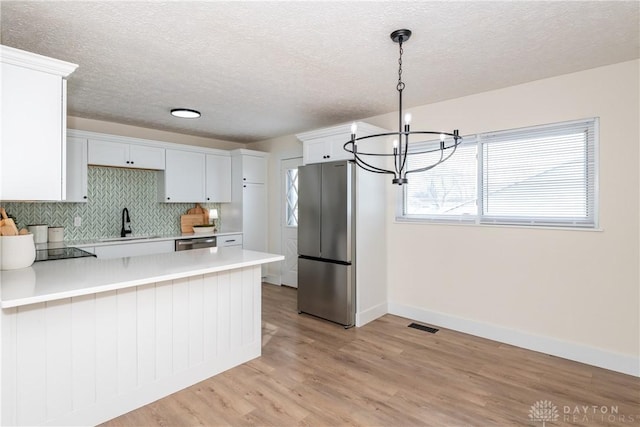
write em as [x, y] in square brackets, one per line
[244, 186]
[208, 198]
[244, 179]
[132, 162]
[230, 241]
[168, 198]
[84, 197]
[127, 161]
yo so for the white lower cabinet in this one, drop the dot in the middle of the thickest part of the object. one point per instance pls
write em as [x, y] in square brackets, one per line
[229, 240]
[254, 202]
[121, 250]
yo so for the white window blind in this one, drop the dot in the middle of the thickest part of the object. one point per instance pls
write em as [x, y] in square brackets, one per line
[542, 175]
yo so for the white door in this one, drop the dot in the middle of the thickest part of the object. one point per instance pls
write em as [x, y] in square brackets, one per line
[289, 219]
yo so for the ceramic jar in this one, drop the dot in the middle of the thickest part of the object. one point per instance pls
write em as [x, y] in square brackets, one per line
[17, 251]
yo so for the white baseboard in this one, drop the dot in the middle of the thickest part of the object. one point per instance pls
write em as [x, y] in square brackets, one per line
[578, 352]
[370, 314]
[273, 279]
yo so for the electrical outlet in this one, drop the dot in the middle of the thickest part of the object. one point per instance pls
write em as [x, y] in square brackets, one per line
[77, 221]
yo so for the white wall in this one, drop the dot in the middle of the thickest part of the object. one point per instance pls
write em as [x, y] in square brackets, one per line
[112, 128]
[571, 293]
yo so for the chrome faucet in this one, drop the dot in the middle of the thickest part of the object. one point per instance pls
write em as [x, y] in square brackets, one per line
[126, 223]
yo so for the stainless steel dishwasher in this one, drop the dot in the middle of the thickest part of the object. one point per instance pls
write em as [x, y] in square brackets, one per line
[195, 243]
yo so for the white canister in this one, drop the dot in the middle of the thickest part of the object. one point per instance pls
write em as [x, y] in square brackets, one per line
[39, 232]
[17, 251]
[56, 234]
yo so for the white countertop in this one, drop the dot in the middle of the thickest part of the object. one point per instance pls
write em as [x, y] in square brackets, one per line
[52, 280]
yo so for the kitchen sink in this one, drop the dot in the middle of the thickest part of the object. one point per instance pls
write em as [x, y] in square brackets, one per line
[128, 238]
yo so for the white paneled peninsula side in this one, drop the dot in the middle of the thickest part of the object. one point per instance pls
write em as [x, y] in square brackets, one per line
[85, 340]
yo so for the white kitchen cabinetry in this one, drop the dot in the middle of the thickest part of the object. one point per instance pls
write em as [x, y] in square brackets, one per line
[122, 250]
[184, 177]
[76, 170]
[229, 240]
[248, 208]
[327, 145]
[33, 117]
[218, 173]
[254, 169]
[369, 211]
[104, 153]
[120, 154]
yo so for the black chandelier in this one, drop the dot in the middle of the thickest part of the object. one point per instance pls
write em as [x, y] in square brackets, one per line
[448, 141]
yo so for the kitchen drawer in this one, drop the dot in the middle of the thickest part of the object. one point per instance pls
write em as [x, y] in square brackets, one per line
[229, 240]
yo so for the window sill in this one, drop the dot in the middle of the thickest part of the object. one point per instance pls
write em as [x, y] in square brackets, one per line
[473, 223]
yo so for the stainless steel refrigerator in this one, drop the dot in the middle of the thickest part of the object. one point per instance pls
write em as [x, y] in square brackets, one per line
[326, 241]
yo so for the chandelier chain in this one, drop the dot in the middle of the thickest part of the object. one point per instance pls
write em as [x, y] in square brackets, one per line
[400, 82]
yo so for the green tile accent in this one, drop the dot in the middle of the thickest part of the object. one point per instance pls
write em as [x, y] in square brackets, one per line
[109, 191]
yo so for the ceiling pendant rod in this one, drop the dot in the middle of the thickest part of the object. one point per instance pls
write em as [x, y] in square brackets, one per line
[399, 36]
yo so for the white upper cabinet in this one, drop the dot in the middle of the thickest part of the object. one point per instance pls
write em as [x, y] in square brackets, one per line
[33, 105]
[254, 169]
[327, 145]
[184, 177]
[76, 170]
[121, 154]
[318, 151]
[145, 157]
[218, 173]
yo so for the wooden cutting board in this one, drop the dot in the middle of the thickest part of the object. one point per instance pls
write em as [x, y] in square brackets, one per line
[8, 227]
[188, 221]
[200, 210]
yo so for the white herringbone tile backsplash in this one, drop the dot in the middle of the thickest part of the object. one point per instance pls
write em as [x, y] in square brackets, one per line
[109, 191]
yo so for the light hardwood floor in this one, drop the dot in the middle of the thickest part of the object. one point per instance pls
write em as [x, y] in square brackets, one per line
[315, 373]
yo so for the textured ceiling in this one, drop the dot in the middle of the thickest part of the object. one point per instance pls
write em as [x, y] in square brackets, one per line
[257, 70]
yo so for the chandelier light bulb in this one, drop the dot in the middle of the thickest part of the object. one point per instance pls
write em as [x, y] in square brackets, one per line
[395, 143]
[354, 128]
[442, 136]
[407, 119]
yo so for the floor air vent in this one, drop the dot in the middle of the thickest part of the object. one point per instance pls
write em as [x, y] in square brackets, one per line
[423, 328]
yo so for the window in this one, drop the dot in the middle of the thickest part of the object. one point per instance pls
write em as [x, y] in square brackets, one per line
[448, 192]
[543, 175]
[292, 197]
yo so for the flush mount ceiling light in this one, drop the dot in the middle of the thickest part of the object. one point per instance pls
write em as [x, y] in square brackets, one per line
[185, 113]
[448, 141]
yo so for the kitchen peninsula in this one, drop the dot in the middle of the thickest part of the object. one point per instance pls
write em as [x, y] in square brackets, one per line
[85, 340]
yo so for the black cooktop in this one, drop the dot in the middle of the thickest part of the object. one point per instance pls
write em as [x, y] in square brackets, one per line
[52, 254]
